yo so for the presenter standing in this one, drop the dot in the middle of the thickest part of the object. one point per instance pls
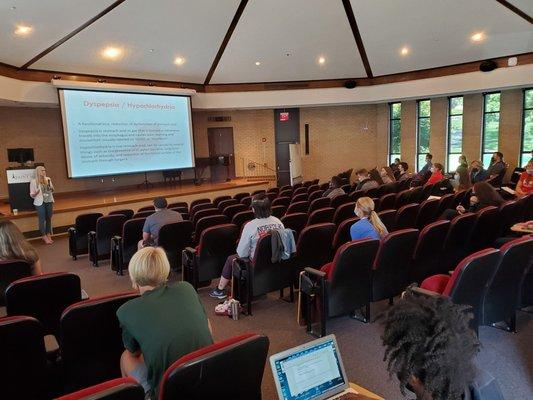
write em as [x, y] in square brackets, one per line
[41, 190]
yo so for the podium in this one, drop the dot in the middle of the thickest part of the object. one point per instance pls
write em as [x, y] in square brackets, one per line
[18, 186]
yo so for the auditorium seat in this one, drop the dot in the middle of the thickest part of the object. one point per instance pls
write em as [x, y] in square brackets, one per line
[342, 234]
[459, 197]
[201, 207]
[347, 188]
[343, 212]
[24, 363]
[296, 222]
[315, 195]
[285, 193]
[406, 216]
[143, 214]
[313, 188]
[455, 246]
[428, 251]
[204, 373]
[173, 238]
[468, 283]
[198, 201]
[528, 208]
[281, 201]
[128, 213]
[503, 294]
[201, 265]
[298, 207]
[125, 245]
[273, 190]
[91, 341]
[247, 201]
[146, 208]
[427, 212]
[100, 239]
[321, 215]
[356, 195]
[372, 192]
[44, 297]
[207, 212]
[387, 201]
[242, 217]
[225, 203]
[299, 197]
[508, 215]
[300, 190]
[271, 196]
[324, 186]
[416, 194]
[241, 195]
[390, 272]
[77, 234]
[339, 200]
[388, 217]
[230, 211]
[217, 200]
[259, 275]
[10, 271]
[321, 202]
[313, 248]
[208, 222]
[445, 203]
[277, 211]
[259, 191]
[285, 187]
[526, 297]
[485, 230]
[180, 204]
[297, 185]
[343, 286]
[402, 198]
[115, 389]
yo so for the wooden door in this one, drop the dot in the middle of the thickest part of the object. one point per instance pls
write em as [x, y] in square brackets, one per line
[221, 144]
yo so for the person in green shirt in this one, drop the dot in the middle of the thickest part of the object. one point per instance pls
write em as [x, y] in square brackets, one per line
[165, 323]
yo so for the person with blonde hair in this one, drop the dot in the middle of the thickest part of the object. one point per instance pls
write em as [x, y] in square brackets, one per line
[166, 322]
[369, 225]
[387, 175]
[41, 190]
[14, 246]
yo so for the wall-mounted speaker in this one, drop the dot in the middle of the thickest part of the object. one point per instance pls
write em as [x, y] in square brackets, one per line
[488, 65]
[350, 84]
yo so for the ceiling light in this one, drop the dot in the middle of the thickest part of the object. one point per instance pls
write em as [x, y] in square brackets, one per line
[23, 30]
[111, 53]
[477, 37]
[321, 60]
[258, 63]
[179, 61]
[151, 50]
[404, 51]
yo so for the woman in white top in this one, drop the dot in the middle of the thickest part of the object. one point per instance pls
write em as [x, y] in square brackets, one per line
[41, 190]
[251, 233]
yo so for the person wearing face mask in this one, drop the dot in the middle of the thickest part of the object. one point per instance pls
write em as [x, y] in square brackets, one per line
[497, 168]
[335, 188]
[525, 183]
[477, 172]
[369, 225]
[436, 174]
[365, 181]
[387, 175]
[404, 171]
[483, 195]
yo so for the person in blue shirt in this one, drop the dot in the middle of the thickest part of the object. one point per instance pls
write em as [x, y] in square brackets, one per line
[369, 224]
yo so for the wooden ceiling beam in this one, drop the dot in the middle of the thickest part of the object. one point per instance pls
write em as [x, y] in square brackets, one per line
[357, 36]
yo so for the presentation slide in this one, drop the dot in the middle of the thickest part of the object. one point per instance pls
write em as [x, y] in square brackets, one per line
[112, 133]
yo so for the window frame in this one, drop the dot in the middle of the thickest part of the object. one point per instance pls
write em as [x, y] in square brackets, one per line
[483, 118]
[391, 119]
[417, 143]
[448, 130]
[523, 128]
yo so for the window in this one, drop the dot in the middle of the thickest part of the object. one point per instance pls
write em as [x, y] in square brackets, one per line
[395, 131]
[527, 128]
[423, 131]
[491, 126]
[455, 132]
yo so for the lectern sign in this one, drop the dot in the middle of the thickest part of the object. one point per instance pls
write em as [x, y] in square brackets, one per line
[18, 187]
[20, 175]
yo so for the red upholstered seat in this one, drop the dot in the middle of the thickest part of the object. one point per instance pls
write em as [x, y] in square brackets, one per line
[120, 388]
[436, 283]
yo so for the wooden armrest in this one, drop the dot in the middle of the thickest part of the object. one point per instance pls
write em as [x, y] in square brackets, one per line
[315, 272]
[424, 292]
[189, 250]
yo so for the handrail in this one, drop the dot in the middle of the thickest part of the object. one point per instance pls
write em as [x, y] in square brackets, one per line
[251, 168]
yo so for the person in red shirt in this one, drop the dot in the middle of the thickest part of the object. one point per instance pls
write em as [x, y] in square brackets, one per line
[436, 174]
[525, 183]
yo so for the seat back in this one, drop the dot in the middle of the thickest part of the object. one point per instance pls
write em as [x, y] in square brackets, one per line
[198, 201]
[146, 208]
[356, 194]
[427, 212]
[391, 267]
[10, 271]
[459, 197]
[278, 211]
[486, 229]
[107, 227]
[220, 199]
[221, 205]
[340, 200]
[388, 217]
[24, 371]
[406, 216]
[350, 276]
[199, 207]
[200, 375]
[230, 211]
[116, 389]
[179, 204]
[299, 190]
[503, 294]
[402, 198]
[216, 244]
[416, 194]
[206, 212]
[285, 193]
[173, 238]
[298, 207]
[373, 192]
[247, 201]
[84, 224]
[91, 341]
[428, 250]
[182, 210]
[343, 212]
[281, 201]
[242, 217]
[312, 188]
[317, 194]
[143, 214]
[321, 202]
[342, 234]
[259, 191]
[321, 215]
[313, 248]
[296, 222]
[128, 213]
[132, 232]
[44, 297]
[471, 279]
[208, 222]
[299, 197]
[242, 195]
[445, 202]
[509, 215]
[386, 202]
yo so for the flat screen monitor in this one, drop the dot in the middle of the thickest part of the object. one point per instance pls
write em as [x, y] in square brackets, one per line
[20, 155]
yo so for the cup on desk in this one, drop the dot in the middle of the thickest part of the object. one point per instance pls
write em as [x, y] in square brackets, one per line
[15, 211]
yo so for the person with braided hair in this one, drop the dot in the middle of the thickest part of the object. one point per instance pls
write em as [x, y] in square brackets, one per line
[430, 347]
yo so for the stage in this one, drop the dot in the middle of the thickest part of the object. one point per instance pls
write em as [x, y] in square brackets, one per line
[68, 205]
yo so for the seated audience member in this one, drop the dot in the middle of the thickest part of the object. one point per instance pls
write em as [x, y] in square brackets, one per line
[477, 172]
[387, 175]
[461, 175]
[334, 188]
[263, 223]
[395, 167]
[365, 182]
[525, 183]
[165, 323]
[483, 195]
[376, 176]
[497, 167]
[369, 225]
[427, 166]
[14, 246]
[154, 222]
[436, 174]
[404, 174]
[430, 348]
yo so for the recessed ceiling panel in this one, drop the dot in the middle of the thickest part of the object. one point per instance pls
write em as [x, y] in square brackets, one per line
[524, 5]
[151, 35]
[437, 33]
[49, 20]
[288, 38]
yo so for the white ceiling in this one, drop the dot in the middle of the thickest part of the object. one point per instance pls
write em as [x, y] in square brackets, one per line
[436, 31]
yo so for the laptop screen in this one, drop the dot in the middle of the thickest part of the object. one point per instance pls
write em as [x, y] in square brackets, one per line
[309, 373]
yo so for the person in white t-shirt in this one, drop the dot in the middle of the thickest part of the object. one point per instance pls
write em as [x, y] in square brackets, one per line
[251, 233]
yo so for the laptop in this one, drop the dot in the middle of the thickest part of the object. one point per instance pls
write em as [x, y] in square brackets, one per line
[311, 371]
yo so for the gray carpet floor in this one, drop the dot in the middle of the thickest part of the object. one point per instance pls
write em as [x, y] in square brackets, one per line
[507, 356]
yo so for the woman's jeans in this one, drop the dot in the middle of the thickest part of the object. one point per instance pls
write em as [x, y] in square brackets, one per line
[44, 211]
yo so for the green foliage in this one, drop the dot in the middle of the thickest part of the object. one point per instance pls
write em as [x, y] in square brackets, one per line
[456, 105]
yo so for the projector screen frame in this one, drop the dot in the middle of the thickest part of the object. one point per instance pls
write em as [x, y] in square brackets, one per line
[90, 89]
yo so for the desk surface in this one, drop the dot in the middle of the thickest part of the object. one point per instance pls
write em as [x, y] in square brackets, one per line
[365, 392]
